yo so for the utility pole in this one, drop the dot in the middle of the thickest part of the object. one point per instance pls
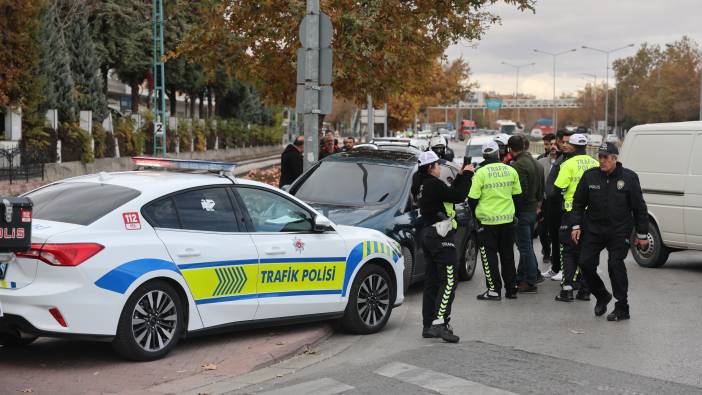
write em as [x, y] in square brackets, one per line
[555, 109]
[314, 76]
[159, 95]
[370, 124]
[517, 67]
[607, 52]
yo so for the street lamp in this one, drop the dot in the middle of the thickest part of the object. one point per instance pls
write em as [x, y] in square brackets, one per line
[516, 89]
[554, 55]
[594, 100]
[607, 52]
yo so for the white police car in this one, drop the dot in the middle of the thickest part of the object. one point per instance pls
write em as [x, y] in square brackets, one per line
[143, 258]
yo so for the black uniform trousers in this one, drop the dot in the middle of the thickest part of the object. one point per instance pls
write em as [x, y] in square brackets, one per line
[441, 271]
[570, 258]
[494, 240]
[543, 231]
[553, 220]
[617, 248]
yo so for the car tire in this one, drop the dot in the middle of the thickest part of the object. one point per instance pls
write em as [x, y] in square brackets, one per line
[14, 340]
[656, 254]
[468, 258]
[151, 322]
[409, 268]
[370, 301]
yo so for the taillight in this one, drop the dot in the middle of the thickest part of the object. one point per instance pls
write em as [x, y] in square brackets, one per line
[68, 254]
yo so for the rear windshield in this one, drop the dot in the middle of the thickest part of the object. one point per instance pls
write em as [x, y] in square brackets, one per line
[78, 202]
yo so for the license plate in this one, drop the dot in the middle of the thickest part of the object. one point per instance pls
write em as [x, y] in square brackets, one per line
[3, 270]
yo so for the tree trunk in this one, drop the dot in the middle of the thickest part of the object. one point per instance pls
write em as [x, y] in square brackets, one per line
[209, 103]
[173, 103]
[135, 98]
[105, 71]
[192, 106]
[201, 108]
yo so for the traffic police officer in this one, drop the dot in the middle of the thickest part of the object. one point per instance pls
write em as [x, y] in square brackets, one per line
[568, 178]
[495, 197]
[436, 204]
[608, 203]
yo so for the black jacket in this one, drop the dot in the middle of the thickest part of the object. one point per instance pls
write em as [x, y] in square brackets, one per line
[531, 178]
[610, 204]
[432, 193]
[290, 165]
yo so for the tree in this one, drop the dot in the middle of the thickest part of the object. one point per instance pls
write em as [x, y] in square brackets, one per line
[18, 46]
[89, 91]
[378, 45]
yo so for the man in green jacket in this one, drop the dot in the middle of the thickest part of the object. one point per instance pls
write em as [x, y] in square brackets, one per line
[531, 179]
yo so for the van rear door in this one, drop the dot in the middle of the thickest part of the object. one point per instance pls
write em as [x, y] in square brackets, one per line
[661, 159]
[693, 197]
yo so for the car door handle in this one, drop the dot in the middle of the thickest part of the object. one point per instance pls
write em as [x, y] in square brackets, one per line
[189, 253]
[274, 251]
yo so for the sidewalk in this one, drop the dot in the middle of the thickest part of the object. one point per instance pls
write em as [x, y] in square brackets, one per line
[67, 367]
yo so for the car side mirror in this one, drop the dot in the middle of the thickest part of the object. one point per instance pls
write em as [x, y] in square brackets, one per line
[322, 224]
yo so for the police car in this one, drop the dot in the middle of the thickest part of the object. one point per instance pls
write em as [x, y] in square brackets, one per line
[147, 257]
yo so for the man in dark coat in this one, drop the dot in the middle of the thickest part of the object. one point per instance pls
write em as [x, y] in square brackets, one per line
[291, 161]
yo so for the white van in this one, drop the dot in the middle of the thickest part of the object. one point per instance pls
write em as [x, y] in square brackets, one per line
[668, 159]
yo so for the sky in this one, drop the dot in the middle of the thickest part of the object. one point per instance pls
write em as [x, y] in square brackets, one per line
[560, 25]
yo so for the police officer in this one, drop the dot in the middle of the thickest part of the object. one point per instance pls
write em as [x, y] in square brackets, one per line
[568, 178]
[495, 198]
[608, 203]
[440, 147]
[436, 204]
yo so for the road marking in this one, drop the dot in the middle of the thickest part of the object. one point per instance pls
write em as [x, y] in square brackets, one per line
[325, 386]
[439, 382]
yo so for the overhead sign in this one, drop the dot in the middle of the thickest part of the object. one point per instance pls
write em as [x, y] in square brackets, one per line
[493, 104]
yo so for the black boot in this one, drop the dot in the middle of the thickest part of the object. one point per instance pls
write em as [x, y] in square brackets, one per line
[444, 332]
[565, 296]
[601, 305]
[582, 295]
[425, 333]
[619, 314]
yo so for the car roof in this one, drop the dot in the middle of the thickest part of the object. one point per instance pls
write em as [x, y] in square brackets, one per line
[396, 158]
[157, 183]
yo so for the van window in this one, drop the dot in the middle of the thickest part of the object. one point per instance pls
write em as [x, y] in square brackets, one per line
[696, 168]
[652, 153]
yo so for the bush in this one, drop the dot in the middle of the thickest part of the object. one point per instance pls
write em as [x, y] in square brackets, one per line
[75, 143]
[100, 139]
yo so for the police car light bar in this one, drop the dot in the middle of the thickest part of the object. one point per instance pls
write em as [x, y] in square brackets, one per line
[183, 164]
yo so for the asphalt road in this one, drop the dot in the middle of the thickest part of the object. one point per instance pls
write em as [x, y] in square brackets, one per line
[533, 345]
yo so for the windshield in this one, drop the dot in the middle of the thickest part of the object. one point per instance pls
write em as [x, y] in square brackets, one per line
[508, 129]
[353, 184]
[79, 203]
[474, 151]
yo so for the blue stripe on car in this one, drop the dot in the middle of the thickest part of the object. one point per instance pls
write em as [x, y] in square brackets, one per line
[120, 278]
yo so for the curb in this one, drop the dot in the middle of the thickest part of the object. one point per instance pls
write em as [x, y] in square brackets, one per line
[296, 341]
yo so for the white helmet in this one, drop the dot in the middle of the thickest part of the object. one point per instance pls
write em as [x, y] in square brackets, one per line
[502, 138]
[437, 140]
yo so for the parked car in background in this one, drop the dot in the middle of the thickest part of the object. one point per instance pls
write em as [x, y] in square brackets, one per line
[612, 138]
[474, 148]
[594, 140]
[536, 134]
[507, 127]
[371, 189]
[672, 188]
[468, 127]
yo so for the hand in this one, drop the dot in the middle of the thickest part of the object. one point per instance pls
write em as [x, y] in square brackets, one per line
[642, 243]
[575, 235]
[469, 168]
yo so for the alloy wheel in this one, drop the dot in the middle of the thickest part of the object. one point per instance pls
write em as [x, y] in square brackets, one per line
[373, 302]
[154, 321]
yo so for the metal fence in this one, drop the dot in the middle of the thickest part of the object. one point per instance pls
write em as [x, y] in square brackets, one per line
[21, 164]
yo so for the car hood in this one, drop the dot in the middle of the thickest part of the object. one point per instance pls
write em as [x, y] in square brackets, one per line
[347, 215]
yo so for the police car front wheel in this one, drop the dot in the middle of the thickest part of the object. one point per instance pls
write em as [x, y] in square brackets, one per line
[151, 322]
[370, 301]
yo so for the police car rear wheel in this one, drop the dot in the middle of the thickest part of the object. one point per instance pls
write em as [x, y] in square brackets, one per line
[409, 268]
[151, 322]
[370, 301]
[469, 258]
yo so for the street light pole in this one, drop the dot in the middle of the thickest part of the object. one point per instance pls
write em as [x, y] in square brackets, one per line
[516, 88]
[554, 55]
[607, 52]
[594, 100]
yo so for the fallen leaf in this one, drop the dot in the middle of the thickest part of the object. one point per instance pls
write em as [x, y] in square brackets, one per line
[209, 366]
[27, 390]
[573, 331]
[96, 373]
[310, 351]
[181, 371]
[279, 343]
